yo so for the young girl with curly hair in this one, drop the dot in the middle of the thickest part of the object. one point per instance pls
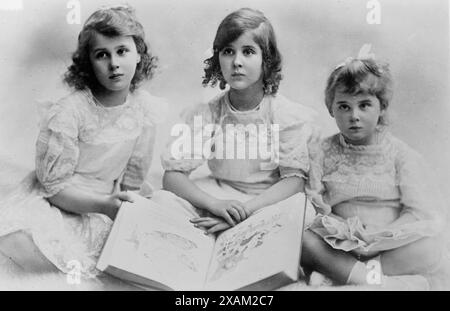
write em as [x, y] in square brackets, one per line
[93, 146]
[249, 116]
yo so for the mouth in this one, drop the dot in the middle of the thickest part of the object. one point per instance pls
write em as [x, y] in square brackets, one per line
[237, 74]
[115, 76]
[355, 128]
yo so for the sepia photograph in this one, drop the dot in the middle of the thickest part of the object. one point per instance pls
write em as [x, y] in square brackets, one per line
[259, 145]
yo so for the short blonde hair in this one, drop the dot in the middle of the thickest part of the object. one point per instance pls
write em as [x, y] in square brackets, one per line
[356, 76]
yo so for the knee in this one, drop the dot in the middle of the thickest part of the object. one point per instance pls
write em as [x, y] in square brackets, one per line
[310, 240]
[428, 252]
[20, 248]
[418, 257]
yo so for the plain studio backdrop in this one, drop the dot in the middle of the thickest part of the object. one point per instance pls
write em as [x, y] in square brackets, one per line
[37, 40]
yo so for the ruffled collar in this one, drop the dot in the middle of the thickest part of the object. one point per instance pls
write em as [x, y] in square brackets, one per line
[380, 138]
[230, 107]
[98, 106]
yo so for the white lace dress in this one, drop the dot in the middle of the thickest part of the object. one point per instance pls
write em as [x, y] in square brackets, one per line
[88, 146]
[239, 170]
[360, 190]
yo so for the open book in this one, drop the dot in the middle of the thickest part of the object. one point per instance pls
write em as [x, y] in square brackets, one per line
[153, 246]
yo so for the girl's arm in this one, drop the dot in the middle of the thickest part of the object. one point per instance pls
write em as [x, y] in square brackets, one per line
[77, 201]
[283, 189]
[180, 184]
[404, 218]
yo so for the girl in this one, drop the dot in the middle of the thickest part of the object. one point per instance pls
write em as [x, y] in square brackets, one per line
[93, 145]
[247, 116]
[377, 213]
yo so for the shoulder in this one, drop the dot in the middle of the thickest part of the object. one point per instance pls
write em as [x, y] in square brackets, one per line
[69, 106]
[66, 114]
[73, 101]
[326, 145]
[287, 112]
[154, 109]
[208, 110]
[402, 152]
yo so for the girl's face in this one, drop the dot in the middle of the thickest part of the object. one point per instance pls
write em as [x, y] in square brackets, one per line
[114, 61]
[357, 116]
[241, 62]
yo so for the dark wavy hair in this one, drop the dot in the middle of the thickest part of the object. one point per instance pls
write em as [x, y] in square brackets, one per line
[230, 29]
[111, 22]
[356, 76]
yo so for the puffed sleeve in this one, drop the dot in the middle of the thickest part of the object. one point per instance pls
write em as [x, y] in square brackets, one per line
[296, 134]
[154, 111]
[420, 195]
[314, 187]
[57, 148]
[185, 152]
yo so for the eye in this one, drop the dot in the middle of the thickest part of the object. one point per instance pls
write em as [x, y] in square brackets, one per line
[343, 107]
[365, 105]
[122, 51]
[101, 55]
[248, 51]
[227, 51]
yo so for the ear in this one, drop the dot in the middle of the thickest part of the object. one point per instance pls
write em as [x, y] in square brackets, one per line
[382, 111]
[138, 60]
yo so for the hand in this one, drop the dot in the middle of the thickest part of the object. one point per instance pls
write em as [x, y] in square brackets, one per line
[114, 202]
[230, 210]
[210, 224]
[320, 207]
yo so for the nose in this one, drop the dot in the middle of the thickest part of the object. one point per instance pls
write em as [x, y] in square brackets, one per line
[354, 115]
[114, 62]
[237, 61]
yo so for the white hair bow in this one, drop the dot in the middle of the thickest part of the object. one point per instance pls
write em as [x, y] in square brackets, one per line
[364, 53]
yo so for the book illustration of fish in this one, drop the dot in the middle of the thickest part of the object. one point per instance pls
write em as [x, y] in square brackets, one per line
[167, 247]
[238, 246]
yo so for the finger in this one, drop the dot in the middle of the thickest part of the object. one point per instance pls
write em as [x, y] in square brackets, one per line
[217, 228]
[234, 213]
[228, 218]
[125, 196]
[207, 224]
[241, 210]
[200, 219]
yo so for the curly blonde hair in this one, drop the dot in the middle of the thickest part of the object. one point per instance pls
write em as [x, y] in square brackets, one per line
[111, 22]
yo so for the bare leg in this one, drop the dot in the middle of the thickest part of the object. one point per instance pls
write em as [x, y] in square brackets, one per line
[19, 247]
[419, 257]
[318, 255]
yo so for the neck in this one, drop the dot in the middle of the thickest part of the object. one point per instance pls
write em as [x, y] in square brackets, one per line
[246, 99]
[110, 98]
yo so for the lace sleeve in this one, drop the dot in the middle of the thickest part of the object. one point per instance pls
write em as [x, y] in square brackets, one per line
[314, 187]
[420, 195]
[57, 149]
[140, 160]
[154, 110]
[296, 134]
[185, 152]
